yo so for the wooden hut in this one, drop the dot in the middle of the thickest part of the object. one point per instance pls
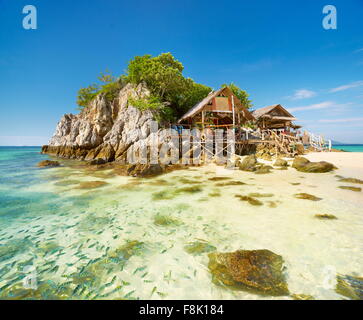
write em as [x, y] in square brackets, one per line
[274, 117]
[220, 109]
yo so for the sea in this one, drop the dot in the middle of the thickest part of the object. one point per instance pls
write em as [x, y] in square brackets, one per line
[77, 232]
[349, 147]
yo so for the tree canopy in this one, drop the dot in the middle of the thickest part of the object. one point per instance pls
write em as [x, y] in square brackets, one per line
[172, 94]
[242, 95]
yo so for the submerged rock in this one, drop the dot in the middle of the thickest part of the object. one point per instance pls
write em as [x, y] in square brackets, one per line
[91, 184]
[356, 189]
[350, 180]
[306, 196]
[199, 247]
[145, 170]
[325, 216]
[230, 183]
[250, 200]
[166, 221]
[304, 165]
[302, 296]
[48, 163]
[259, 271]
[248, 163]
[260, 195]
[263, 169]
[97, 161]
[350, 286]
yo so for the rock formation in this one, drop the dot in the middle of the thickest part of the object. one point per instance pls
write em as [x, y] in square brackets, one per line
[104, 130]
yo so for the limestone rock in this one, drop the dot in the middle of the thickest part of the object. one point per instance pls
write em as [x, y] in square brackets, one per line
[48, 163]
[248, 163]
[304, 165]
[259, 271]
[280, 163]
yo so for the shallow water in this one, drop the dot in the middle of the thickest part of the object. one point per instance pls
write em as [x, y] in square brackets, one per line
[127, 238]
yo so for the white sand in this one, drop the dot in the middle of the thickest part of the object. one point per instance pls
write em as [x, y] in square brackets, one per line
[348, 163]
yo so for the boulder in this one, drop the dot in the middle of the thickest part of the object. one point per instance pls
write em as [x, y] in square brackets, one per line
[280, 163]
[248, 163]
[300, 149]
[257, 271]
[48, 163]
[263, 169]
[304, 165]
[145, 170]
[350, 286]
[97, 161]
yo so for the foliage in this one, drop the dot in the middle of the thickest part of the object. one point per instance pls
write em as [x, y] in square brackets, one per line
[242, 95]
[163, 76]
[109, 87]
[172, 94]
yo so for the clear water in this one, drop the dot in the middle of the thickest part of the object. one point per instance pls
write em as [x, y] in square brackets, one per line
[106, 242]
[350, 147]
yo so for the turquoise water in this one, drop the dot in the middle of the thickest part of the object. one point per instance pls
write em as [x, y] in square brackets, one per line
[127, 238]
[350, 147]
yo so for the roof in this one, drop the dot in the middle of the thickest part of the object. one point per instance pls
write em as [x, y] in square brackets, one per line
[199, 106]
[264, 111]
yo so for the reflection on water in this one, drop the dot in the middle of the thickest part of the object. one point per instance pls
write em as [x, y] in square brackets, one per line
[85, 234]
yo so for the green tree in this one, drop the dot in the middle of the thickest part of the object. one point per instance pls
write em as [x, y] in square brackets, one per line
[86, 95]
[242, 95]
[163, 76]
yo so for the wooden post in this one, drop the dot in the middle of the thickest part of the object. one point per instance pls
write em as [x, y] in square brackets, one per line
[234, 120]
[203, 120]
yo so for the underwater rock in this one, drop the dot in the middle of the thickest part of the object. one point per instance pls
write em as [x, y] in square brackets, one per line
[356, 189]
[350, 286]
[325, 216]
[304, 165]
[260, 195]
[192, 189]
[248, 163]
[350, 180]
[250, 200]
[65, 183]
[230, 183]
[280, 163]
[306, 196]
[263, 169]
[166, 221]
[145, 170]
[199, 247]
[218, 178]
[259, 271]
[302, 296]
[48, 163]
[91, 184]
[97, 161]
[163, 195]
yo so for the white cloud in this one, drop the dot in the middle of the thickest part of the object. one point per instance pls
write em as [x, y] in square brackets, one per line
[340, 120]
[322, 105]
[347, 86]
[303, 94]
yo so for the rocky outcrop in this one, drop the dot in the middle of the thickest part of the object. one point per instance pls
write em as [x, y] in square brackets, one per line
[48, 163]
[259, 271]
[248, 163]
[304, 165]
[104, 130]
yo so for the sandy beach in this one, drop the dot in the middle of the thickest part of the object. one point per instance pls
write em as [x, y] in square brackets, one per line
[348, 163]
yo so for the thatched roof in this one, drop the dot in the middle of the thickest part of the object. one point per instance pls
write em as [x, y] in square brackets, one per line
[265, 113]
[200, 105]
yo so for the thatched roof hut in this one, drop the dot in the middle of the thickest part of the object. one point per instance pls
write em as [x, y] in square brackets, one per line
[220, 108]
[274, 117]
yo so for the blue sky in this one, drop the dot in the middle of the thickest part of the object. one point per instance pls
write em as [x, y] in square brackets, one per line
[277, 51]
